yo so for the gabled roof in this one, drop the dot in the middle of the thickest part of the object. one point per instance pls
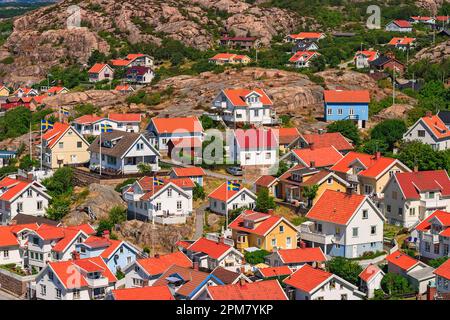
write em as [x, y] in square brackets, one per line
[120, 62]
[346, 96]
[134, 56]
[301, 255]
[443, 270]
[335, 207]
[369, 272]
[7, 237]
[256, 139]
[237, 96]
[442, 216]
[124, 87]
[88, 119]
[158, 264]
[436, 126]
[275, 271]
[53, 135]
[189, 172]
[171, 125]
[303, 56]
[401, 260]
[307, 35]
[223, 194]
[144, 293]
[98, 67]
[10, 188]
[402, 41]
[125, 117]
[307, 278]
[225, 275]
[147, 184]
[265, 181]
[263, 222]
[214, 249]
[402, 23]
[414, 183]
[322, 157]
[371, 55]
[56, 89]
[260, 290]
[286, 135]
[228, 56]
[328, 139]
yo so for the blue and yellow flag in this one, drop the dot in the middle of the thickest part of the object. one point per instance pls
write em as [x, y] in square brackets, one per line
[65, 111]
[233, 186]
[157, 182]
[106, 128]
[45, 124]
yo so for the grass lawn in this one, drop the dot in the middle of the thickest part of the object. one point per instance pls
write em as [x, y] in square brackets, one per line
[390, 231]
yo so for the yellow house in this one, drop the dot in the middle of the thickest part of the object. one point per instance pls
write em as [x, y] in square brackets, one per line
[325, 180]
[263, 231]
[64, 145]
[4, 91]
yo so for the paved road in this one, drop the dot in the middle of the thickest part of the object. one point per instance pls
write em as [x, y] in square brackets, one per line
[199, 221]
[6, 296]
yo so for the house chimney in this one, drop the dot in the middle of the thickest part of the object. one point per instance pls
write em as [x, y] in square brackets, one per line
[195, 265]
[431, 292]
[242, 269]
[302, 244]
[377, 155]
[349, 190]
[156, 255]
[270, 211]
[311, 146]
[429, 114]
[166, 116]
[416, 168]
[75, 255]
[106, 234]
[13, 222]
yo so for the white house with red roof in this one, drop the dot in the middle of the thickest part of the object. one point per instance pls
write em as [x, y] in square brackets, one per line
[13, 244]
[99, 72]
[139, 75]
[210, 254]
[399, 26]
[410, 197]
[363, 58]
[368, 174]
[402, 43]
[196, 174]
[145, 271]
[162, 200]
[311, 36]
[308, 283]
[303, 59]
[223, 199]
[124, 88]
[344, 224]
[79, 279]
[229, 58]
[295, 258]
[134, 60]
[434, 235]
[324, 140]
[443, 281]
[57, 90]
[90, 124]
[243, 291]
[21, 196]
[240, 106]
[370, 279]
[25, 92]
[313, 157]
[254, 147]
[162, 130]
[430, 130]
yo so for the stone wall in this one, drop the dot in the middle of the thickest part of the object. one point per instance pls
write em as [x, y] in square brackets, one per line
[13, 283]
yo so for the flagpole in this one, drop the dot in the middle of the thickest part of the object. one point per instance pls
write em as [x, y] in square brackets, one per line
[41, 146]
[226, 204]
[100, 149]
[31, 150]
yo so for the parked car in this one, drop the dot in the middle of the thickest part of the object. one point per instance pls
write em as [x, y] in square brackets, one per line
[235, 171]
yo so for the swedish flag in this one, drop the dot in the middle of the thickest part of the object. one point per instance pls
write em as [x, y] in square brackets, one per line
[106, 128]
[45, 124]
[157, 182]
[65, 111]
[233, 186]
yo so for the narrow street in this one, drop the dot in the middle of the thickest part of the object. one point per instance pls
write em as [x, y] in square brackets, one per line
[199, 221]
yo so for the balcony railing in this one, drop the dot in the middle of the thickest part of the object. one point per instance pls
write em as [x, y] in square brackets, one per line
[308, 234]
[98, 282]
[431, 237]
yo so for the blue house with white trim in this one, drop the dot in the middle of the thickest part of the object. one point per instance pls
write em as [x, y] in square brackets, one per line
[347, 105]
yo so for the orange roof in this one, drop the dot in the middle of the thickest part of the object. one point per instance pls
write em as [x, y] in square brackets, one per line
[328, 139]
[370, 54]
[146, 184]
[335, 207]
[171, 125]
[401, 260]
[96, 68]
[307, 35]
[261, 290]
[375, 165]
[68, 238]
[158, 264]
[11, 188]
[85, 227]
[261, 227]
[444, 270]
[222, 193]
[124, 87]
[145, 293]
[120, 62]
[7, 238]
[414, 183]
[437, 126]
[403, 41]
[54, 134]
[237, 96]
[302, 255]
[125, 117]
[55, 89]
[114, 245]
[87, 119]
[402, 23]
[369, 272]
[189, 172]
[302, 55]
[307, 278]
[275, 271]
[286, 135]
[442, 216]
[223, 56]
[343, 96]
[265, 181]
[214, 249]
[133, 56]
[191, 142]
[322, 157]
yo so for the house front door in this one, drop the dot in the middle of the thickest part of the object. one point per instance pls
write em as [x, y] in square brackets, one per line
[354, 251]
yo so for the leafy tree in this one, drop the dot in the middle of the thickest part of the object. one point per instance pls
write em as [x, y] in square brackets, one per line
[207, 122]
[117, 214]
[435, 263]
[373, 145]
[395, 284]
[198, 192]
[60, 183]
[310, 192]
[96, 56]
[282, 168]
[103, 225]
[119, 187]
[347, 128]
[389, 131]
[256, 257]
[145, 168]
[264, 202]
[58, 208]
[27, 163]
[416, 153]
[84, 109]
[344, 268]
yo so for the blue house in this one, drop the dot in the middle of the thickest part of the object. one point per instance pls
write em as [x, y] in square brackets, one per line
[347, 105]
[5, 157]
[116, 254]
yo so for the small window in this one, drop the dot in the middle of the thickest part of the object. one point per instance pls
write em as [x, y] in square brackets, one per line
[79, 144]
[39, 205]
[329, 111]
[169, 192]
[330, 180]
[365, 214]
[43, 290]
[61, 145]
[179, 204]
[281, 229]
[373, 230]
[58, 293]
[421, 133]
[340, 112]
[355, 232]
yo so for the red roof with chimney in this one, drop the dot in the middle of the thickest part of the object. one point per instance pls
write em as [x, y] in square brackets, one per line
[256, 139]
[401, 260]
[335, 207]
[159, 263]
[145, 293]
[414, 183]
[263, 222]
[322, 157]
[302, 255]
[214, 249]
[307, 278]
[260, 290]
[238, 96]
[328, 139]
[346, 96]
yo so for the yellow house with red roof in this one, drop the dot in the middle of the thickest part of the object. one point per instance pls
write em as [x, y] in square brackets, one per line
[4, 91]
[63, 145]
[263, 231]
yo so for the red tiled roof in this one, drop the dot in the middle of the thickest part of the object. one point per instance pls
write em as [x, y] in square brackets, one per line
[120, 62]
[256, 139]
[7, 238]
[421, 18]
[374, 166]
[307, 35]
[133, 56]
[260, 228]
[125, 117]
[85, 227]
[171, 125]
[303, 55]
[307, 278]
[275, 271]
[335, 207]
[87, 119]
[328, 139]
[369, 272]
[96, 68]
[214, 249]
[146, 184]
[286, 135]
[54, 134]
[343, 96]
[442, 18]
[402, 23]
[12, 188]
[442, 216]
[401, 260]
[414, 183]
[55, 89]
[322, 157]
[443, 270]
[223, 56]
[237, 96]
[403, 41]
[183, 244]
[437, 126]
[265, 181]
[189, 172]
[370, 54]
[261, 290]
[302, 255]
[145, 293]
[69, 237]
[159, 264]
[190, 142]
[123, 87]
[222, 193]
[113, 246]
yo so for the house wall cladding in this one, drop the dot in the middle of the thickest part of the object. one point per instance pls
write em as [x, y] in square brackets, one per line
[13, 283]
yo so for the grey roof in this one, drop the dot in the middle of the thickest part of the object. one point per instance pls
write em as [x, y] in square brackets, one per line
[444, 115]
[125, 141]
[422, 274]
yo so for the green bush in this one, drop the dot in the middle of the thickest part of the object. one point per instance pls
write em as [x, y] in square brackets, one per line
[256, 257]
[395, 285]
[344, 268]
